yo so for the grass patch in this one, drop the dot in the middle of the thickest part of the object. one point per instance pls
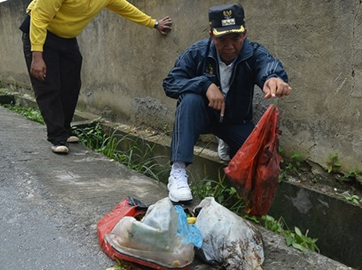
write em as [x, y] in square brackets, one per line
[30, 113]
[290, 165]
[294, 238]
[135, 153]
[223, 193]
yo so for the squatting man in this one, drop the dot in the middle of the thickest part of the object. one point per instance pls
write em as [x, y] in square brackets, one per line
[213, 82]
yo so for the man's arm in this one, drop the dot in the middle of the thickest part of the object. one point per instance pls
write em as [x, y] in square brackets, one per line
[42, 12]
[130, 12]
[183, 77]
[270, 74]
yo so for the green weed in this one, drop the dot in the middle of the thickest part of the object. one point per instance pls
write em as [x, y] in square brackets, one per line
[134, 153]
[296, 160]
[4, 91]
[281, 151]
[283, 176]
[294, 238]
[353, 174]
[353, 199]
[29, 113]
[333, 164]
[120, 265]
[222, 192]
[96, 139]
[140, 157]
[290, 165]
[315, 180]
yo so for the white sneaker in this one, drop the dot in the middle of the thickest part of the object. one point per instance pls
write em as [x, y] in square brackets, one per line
[73, 139]
[223, 150]
[60, 148]
[178, 188]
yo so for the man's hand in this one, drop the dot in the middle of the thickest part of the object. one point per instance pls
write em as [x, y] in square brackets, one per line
[38, 68]
[164, 25]
[216, 99]
[275, 87]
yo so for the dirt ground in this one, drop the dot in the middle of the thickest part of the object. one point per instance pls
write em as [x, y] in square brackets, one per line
[335, 184]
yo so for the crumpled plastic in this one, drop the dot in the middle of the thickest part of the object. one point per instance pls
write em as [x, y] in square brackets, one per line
[255, 168]
[159, 240]
[189, 233]
[229, 241]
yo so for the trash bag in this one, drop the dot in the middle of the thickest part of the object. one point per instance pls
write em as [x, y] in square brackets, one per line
[105, 225]
[255, 167]
[156, 241]
[229, 241]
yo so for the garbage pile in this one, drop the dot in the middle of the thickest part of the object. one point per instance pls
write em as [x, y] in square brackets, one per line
[167, 236]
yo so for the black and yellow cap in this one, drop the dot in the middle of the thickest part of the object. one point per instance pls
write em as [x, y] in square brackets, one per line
[226, 19]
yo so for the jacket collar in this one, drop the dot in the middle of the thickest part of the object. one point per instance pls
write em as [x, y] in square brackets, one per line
[245, 53]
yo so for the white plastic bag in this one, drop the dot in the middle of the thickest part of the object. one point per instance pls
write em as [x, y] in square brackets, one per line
[228, 240]
[154, 239]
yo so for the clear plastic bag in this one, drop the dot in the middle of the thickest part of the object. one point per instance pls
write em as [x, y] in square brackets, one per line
[154, 241]
[229, 241]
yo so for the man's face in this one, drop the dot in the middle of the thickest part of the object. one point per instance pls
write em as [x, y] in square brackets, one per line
[229, 45]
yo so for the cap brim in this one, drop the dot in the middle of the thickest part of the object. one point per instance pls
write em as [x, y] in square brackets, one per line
[218, 32]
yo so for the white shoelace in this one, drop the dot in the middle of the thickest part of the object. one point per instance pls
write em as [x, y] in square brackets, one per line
[180, 177]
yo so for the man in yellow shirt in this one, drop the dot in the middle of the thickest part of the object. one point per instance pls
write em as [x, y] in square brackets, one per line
[54, 60]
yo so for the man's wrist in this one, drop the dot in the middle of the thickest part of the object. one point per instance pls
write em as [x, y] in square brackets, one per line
[156, 24]
[37, 54]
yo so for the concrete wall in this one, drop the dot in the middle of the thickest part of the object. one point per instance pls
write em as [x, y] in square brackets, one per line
[318, 42]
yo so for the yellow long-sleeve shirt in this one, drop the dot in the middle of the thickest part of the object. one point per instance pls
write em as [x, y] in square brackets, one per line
[67, 18]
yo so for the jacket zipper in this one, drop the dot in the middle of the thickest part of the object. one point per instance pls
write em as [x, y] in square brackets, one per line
[233, 76]
[232, 80]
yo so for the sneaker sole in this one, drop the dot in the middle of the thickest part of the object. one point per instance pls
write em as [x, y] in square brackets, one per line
[73, 139]
[173, 199]
[63, 150]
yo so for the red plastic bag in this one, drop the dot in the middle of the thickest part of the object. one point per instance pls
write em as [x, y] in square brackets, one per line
[129, 231]
[106, 224]
[255, 167]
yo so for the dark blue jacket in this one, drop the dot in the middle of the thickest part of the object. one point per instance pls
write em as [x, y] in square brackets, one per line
[197, 68]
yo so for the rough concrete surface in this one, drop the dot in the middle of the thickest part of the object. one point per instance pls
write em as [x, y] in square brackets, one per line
[327, 217]
[50, 205]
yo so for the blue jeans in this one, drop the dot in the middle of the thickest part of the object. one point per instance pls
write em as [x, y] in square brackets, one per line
[195, 117]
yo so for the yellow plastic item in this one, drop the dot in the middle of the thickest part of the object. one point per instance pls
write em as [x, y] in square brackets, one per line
[191, 220]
